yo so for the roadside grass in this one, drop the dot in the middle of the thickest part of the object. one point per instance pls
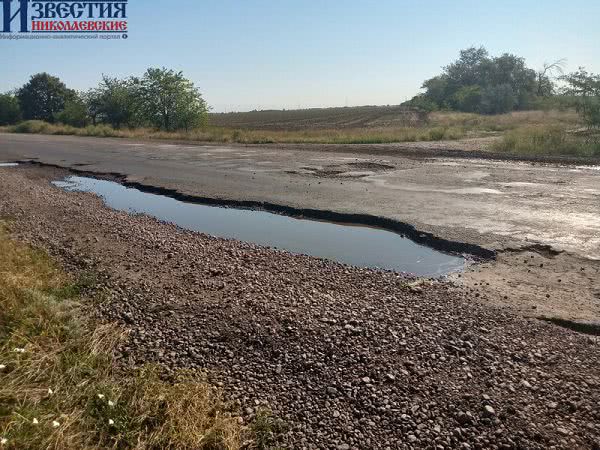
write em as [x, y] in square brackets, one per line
[348, 135]
[550, 140]
[59, 386]
[523, 132]
[504, 122]
[245, 136]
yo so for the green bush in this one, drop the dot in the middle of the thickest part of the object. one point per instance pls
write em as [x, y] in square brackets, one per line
[10, 111]
[74, 114]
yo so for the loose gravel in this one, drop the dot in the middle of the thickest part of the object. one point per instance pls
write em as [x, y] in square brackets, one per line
[349, 358]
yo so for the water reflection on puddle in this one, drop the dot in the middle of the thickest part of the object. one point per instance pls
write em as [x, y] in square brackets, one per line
[356, 245]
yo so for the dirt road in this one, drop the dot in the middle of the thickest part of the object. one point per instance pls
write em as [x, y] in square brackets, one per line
[349, 358]
[543, 219]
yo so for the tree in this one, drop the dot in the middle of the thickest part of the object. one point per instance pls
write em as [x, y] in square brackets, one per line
[10, 111]
[468, 70]
[498, 99]
[75, 113]
[467, 99]
[545, 86]
[586, 88]
[169, 101]
[113, 101]
[437, 90]
[469, 83]
[93, 104]
[511, 70]
[43, 97]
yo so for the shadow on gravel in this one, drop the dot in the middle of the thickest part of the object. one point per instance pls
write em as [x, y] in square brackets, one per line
[581, 327]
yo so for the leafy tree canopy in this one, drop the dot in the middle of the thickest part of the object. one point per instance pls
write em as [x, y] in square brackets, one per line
[43, 97]
[113, 102]
[169, 101]
[585, 88]
[477, 82]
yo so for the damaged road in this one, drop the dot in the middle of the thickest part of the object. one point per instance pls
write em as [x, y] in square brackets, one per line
[517, 210]
[348, 357]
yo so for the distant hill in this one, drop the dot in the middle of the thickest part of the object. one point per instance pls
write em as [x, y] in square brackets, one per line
[319, 118]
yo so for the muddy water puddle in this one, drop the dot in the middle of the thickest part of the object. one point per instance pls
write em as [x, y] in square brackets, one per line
[350, 244]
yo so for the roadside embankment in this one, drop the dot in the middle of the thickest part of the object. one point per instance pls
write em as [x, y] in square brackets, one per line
[347, 357]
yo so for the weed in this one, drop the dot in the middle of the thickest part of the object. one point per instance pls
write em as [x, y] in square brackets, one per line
[548, 140]
[266, 429]
[59, 386]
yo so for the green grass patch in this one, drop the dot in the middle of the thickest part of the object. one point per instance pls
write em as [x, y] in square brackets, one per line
[548, 141]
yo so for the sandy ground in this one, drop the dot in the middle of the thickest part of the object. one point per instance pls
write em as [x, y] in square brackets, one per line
[542, 219]
[349, 358]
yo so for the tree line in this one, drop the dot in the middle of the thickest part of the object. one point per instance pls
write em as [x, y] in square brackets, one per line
[479, 83]
[161, 99]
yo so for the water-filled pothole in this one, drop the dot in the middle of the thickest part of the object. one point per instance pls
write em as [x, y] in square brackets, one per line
[8, 164]
[351, 244]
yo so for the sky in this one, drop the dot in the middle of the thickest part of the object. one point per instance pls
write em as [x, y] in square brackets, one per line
[271, 54]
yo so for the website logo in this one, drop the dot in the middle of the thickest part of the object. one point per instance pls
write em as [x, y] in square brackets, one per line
[66, 17]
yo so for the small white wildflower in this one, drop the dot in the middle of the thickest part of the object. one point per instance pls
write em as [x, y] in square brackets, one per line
[111, 422]
[19, 350]
[111, 403]
[55, 424]
[100, 396]
[50, 391]
[35, 421]
[3, 441]
[2, 367]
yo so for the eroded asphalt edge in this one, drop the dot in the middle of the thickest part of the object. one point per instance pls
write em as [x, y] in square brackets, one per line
[473, 252]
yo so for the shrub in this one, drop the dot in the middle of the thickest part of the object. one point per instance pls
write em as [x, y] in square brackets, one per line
[32, 126]
[10, 111]
[74, 114]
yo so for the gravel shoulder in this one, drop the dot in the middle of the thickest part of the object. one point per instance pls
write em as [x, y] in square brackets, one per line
[348, 357]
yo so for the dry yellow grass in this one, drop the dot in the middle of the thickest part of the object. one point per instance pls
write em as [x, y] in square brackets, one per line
[59, 388]
[440, 126]
[503, 122]
[549, 140]
[217, 134]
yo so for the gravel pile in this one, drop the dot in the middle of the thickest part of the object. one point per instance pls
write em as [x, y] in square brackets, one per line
[347, 357]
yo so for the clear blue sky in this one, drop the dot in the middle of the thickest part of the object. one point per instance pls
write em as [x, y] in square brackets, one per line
[248, 54]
